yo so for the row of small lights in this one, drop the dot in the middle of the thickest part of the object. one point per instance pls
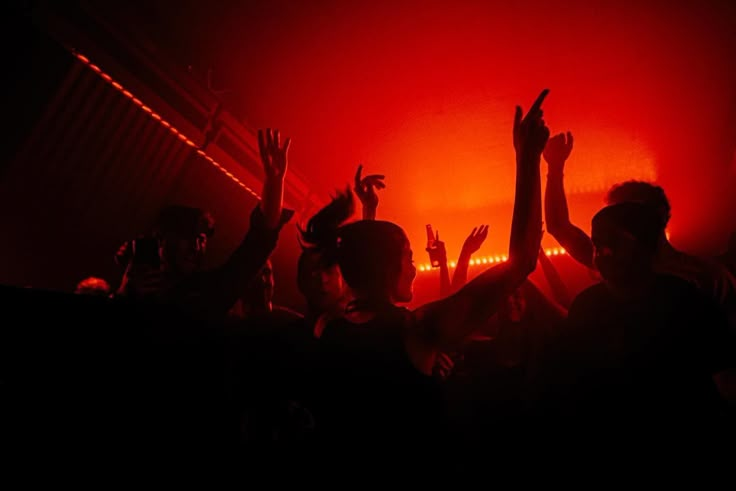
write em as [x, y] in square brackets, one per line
[557, 251]
[162, 121]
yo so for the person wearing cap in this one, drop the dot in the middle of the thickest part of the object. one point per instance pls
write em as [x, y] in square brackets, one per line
[176, 276]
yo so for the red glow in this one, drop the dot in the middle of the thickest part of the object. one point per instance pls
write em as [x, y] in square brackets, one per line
[424, 92]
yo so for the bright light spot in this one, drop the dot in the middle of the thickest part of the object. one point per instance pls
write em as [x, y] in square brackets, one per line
[485, 260]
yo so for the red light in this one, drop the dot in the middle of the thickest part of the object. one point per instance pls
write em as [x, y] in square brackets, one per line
[162, 121]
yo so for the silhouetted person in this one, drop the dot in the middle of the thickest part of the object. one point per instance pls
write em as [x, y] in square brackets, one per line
[641, 347]
[256, 305]
[318, 275]
[175, 276]
[707, 275]
[376, 362]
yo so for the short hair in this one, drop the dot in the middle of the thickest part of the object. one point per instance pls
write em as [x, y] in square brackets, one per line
[639, 220]
[184, 221]
[642, 192]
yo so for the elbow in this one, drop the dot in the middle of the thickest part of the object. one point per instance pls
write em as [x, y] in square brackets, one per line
[555, 227]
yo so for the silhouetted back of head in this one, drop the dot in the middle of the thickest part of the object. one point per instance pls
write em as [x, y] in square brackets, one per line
[645, 193]
[370, 256]
[184, 221]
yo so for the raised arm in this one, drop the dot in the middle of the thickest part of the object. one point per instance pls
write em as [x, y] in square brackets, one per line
[446, 323]
[573, 239]
[274, 157]
[470, 246]
[224, 285]
[365, 189]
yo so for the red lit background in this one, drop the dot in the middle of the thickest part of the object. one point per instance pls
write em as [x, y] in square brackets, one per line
[424, 92]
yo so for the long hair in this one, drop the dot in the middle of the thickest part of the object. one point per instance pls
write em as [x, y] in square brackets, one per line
[319, 236]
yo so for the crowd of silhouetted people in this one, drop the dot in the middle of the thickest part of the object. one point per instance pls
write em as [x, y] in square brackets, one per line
[202, 362]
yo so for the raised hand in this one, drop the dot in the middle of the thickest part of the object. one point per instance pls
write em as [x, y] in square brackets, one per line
[274, 155]
[437, 251]
[530, 132]
[475, 240]
[365, 188]
[557, 150]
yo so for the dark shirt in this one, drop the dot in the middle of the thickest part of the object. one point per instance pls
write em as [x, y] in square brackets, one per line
[211, 294]
[647, 361]
[373, 397]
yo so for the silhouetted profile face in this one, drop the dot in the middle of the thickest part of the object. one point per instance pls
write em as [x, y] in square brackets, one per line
[404, 288]
[183, 232]
[320, 283]
[262, 287]
[184, 254]
[625, 240]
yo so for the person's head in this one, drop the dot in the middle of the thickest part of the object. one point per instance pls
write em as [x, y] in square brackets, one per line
[645, 193]
[320, 281]
[376, 261]
[183, 233]
[625, 238]
[318, 275]
[93, 286]
[260, 291]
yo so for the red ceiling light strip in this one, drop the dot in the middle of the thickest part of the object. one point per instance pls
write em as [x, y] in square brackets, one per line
[162, 121]
[557, 251]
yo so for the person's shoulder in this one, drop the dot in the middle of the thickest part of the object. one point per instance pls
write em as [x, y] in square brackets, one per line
[677, 286]
[593, 292]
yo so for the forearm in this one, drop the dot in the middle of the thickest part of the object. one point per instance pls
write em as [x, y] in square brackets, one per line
[227, 283]
[272, 201]
[448, 322]
[445, 289]
[526, 224]
[369, 212]
[460, 276]
[573, 239]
